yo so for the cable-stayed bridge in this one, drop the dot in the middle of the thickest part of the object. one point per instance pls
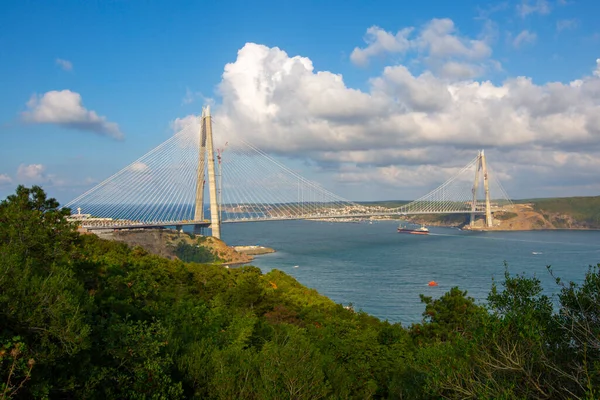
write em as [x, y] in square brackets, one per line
[166, 187]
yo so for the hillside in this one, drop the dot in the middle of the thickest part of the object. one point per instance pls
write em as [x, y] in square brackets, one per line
[551, 213]
[87, 318]
[527, 214]
[565, 212]
[178, 245]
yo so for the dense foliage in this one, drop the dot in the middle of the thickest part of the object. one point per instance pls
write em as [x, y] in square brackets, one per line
[85, 318]
[583, 209]
[198, 254]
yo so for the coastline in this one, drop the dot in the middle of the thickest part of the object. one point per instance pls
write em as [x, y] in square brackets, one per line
[163, 242]
[253, 250]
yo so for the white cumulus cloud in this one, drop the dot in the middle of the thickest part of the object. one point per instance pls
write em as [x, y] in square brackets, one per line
[180, 123]
[440, 39]
[65, 108]
[421, 126]
[437, 43]
[32, 173]
[380, 42]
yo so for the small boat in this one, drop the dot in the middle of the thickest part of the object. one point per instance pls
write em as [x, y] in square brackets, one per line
[415, 231]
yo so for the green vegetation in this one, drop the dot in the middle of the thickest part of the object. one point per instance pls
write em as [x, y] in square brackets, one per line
[443, 219]
[198, 254]
[582, 209]
[90, 319]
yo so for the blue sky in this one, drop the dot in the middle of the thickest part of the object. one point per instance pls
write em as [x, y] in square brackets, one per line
[143, 64]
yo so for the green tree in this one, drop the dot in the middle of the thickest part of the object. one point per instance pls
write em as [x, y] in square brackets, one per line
[446, 317]
[41, 299]
[198, 253]
[290, 367]
[578, 319]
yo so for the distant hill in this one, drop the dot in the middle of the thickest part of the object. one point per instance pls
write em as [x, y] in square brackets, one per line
[540, 213]
[584, 210]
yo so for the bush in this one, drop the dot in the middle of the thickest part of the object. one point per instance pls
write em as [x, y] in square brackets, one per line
[198, 254]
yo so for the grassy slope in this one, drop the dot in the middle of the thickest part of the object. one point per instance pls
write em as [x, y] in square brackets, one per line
[584, 209]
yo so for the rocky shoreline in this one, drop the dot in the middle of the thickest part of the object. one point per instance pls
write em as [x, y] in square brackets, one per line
[163, 242]
[253, 250]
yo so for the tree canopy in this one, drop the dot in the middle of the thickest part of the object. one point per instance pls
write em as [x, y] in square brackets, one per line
[82, 317]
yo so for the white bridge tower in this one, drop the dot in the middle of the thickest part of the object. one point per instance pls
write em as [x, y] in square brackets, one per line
[481, 167]
[206, 146]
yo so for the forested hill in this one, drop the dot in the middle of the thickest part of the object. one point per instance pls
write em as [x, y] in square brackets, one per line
[542, 213]
[85, 318]
[584, 210]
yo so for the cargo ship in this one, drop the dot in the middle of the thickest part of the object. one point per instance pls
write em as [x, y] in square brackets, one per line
[415, 231]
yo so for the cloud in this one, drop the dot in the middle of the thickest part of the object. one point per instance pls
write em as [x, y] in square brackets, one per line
[526, 8]
[32, 173]
[65, 108]
[380, 42]
[436, 42]
[36, 174]
[458, 70]
[439, 38]
[64, 64]
[597, 70]
[523, 38]
[180, 123]
[5, 179]
[565, 24]
[421, 125]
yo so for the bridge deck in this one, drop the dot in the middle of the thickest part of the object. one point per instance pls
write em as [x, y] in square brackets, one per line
[149, 225]
[341, 216]
[205, 224]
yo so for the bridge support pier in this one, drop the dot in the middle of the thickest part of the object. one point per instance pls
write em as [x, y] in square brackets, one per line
[215, 221]
[480, 166]
[474, 190]
[489, 222]
[200, 181]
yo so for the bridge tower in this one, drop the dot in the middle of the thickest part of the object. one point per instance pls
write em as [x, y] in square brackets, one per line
[200, 181]
[481, 167]
[206, 146]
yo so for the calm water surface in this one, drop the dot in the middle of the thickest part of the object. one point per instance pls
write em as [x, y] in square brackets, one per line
[383, 272]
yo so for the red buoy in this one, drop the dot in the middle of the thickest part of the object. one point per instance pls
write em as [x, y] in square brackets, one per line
[433, 283]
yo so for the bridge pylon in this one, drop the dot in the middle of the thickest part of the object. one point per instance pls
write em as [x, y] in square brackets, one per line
[206, 147]
[481, 167]
[200, 180]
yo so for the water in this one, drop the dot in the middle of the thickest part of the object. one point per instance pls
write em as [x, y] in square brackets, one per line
[383, 272]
